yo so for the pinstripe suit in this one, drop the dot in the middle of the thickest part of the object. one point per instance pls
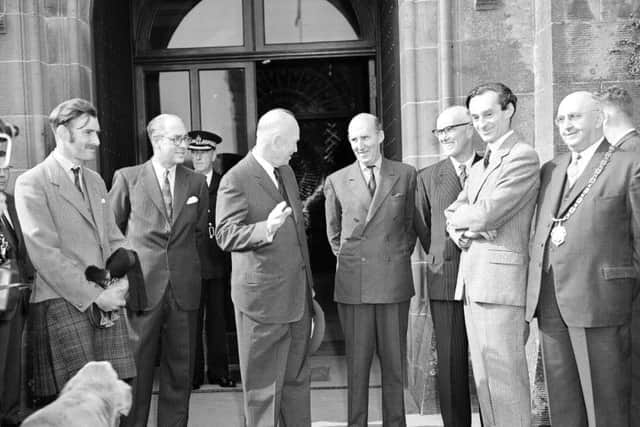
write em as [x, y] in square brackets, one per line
[493, 274]
[438, 186]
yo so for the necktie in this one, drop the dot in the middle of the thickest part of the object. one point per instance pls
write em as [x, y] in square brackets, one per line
[371, 185]
[463, 174]
[573, 171]
[76, 179]
[487, 156]
[166, 195]
[283, 191]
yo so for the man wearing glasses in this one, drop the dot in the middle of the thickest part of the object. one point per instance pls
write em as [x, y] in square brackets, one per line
[438, 186]
[161, 206]
[584, 268]
[490, 222]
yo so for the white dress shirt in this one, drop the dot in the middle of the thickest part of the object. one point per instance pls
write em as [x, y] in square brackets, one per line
[268, 167]
[376, 171]
[495, 145]
[67, 165]
[579, 165]
[160, 171]
[467, 164]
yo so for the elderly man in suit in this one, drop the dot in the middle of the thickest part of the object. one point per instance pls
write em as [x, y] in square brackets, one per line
[161, 206]
[369, 207]
[216, 270]
[490, 222]
[259, 219]
[584, 268]
[619, 129]
[67, 226]
[438, 186]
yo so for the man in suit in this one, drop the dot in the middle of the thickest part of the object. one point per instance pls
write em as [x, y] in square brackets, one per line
[216, 270]
[161, 206]
[369, 207]
[259, 219]
[619, 130]
[438, 186]
[68, 226]
[584, 268]
[490, 222]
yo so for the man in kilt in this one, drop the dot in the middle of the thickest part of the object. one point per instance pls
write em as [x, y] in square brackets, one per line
[68, 226]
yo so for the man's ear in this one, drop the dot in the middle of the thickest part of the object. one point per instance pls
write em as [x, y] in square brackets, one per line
[62, 133]
[380, 136]
[510, 110]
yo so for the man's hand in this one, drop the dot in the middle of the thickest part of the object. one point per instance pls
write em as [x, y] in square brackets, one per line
[112, 298]
[488, 235]
[277, 217]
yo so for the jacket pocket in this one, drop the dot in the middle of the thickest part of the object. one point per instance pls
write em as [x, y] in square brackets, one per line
[618, 272]
[497, 256]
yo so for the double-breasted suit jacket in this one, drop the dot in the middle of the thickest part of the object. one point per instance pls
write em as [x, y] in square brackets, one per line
[168, 251]
[372, 238]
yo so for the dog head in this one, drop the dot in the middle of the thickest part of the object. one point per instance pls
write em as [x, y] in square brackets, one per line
[94, 397]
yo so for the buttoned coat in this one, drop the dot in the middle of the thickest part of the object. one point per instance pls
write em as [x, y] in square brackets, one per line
[216, 263]
[64, 233]
[597, 265]
[268, 279]
[438, 186]
[501, 198]
[372, 238]
[169, 251]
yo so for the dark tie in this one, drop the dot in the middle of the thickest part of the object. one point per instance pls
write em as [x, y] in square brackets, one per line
[76, 179]
[463, 174]
[283, 191]
[166, 195]
[371, 185]
[487, 156]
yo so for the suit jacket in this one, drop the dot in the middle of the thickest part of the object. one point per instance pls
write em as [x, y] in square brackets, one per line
[500, 197]
[438, 186]
[65, 233]
[18, 250]
[216, 263]
[630, 142]
[595, 268]
[169, 252]
[372, 239]
[268, 279]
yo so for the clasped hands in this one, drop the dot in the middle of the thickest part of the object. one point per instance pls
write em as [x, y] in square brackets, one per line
[114, 296]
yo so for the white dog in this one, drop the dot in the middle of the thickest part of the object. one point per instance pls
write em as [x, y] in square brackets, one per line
[94, 397]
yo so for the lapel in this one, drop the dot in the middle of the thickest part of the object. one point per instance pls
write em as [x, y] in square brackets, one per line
[583, 179]
[447, 179]
[95, 201]
[66, 189]
[494, 163]
[358, 187]
[553, 188]
[263, 179]
[10, 232]
[289, 187]
[150, 183]
[180, 192]
[388, 178]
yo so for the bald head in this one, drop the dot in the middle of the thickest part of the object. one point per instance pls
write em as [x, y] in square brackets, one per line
[455, 133]
[168, 134]
[365, 137]
[277, 136]
[579, 120]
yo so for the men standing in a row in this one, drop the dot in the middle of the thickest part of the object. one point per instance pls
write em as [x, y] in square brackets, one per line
[370, 207]
[490, 222]
[438, 187]
[216, 268]
[68, 226]
[161, 206]
[584, 269]
[259, 219]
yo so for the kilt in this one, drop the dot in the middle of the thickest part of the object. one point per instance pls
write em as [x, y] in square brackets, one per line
[60, 341]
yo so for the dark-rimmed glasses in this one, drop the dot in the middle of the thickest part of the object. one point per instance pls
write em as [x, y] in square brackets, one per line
[447, 129]
[178, 140]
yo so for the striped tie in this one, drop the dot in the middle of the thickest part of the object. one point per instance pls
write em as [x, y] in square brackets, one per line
[371, 185]
[166, 195]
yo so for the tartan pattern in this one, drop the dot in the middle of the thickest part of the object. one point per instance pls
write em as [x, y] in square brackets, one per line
[60, 341]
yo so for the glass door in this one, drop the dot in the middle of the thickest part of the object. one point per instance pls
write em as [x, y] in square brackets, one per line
[219, 98]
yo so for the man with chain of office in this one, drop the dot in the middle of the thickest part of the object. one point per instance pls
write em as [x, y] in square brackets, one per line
[583, 267]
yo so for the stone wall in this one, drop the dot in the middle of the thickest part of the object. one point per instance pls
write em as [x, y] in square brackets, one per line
[45, 58]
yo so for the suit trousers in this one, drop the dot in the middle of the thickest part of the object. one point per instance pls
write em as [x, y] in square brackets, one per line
[635, 361]
[275, 370]
[211, 318]
[11, 327]
[174, 330]
[587, 370]
[497, 335]
[453, 362]
[379, 328]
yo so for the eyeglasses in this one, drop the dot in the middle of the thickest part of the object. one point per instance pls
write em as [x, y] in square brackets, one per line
[178, 140]
[571, 117]
[446, 130]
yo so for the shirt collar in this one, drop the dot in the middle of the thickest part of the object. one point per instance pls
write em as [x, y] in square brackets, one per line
[467, 163]
[623, 136]
[495, 145]
[265, 165]
[159, 169]
[377, 164]
[63, 161]
[587, 153]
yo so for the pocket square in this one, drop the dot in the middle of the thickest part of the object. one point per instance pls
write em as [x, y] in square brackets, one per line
[191, 200]
[103, 201]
